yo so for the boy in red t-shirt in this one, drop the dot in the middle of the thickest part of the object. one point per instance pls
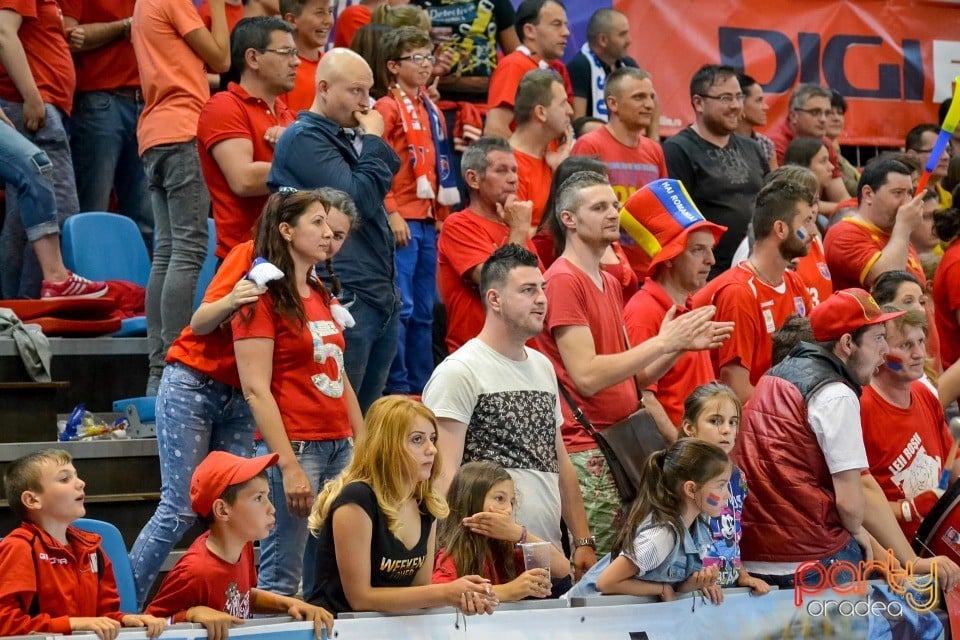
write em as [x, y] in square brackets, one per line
[214, 583]
[56, 578]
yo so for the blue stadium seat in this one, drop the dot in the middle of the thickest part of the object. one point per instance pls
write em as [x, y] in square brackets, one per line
[209, 266]
[116, 551]
[107, 246]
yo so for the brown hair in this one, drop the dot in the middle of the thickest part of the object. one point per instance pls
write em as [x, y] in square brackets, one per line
[470, 551]
[660, 493]
[23, 474]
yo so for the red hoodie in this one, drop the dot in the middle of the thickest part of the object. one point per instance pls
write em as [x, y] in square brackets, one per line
[45, 583]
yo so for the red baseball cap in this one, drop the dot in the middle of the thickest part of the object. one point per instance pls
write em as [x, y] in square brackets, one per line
[659, 217]
[220, 470]
[844, 312]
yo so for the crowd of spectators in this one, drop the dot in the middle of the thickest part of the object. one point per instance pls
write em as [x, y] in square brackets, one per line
[721, 279]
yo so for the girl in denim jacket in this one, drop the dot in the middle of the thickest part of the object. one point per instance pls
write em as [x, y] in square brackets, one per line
[658, 552]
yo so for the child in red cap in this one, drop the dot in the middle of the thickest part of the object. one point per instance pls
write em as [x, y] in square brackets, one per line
[214, 583]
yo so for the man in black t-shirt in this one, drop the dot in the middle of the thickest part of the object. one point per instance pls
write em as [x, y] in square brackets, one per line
[472, 29]
[722, 171]
[608, 37]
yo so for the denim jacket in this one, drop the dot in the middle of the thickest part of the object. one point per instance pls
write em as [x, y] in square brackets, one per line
[685, 559]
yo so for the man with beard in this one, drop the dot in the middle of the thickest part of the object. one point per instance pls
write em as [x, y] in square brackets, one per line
[722, 170]
[801, 430]
[496, 399]
[760, 293]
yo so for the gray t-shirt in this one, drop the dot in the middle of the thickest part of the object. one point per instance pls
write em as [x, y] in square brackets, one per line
[513, 417]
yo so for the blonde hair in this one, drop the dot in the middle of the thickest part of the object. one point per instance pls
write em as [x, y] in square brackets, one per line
[380, 459]
[24, 473]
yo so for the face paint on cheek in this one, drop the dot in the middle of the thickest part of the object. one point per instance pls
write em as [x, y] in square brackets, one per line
[894, 363]
[713, 500]
[801, 234]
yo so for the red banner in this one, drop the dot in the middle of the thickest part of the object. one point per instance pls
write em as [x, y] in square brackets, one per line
[893, 60]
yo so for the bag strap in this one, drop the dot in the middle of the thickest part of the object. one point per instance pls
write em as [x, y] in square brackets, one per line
[577, 412]
[636, 383]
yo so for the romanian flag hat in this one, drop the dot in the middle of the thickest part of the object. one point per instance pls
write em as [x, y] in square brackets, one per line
[660, 215]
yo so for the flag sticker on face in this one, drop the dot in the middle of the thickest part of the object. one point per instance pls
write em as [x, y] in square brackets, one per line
[713, 499]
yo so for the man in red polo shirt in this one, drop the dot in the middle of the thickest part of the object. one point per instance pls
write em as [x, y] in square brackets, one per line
[807, 118]
[679, 267]
[108, 102]
[876, 239]
[493, 218]
[238, 127]
[542, 28]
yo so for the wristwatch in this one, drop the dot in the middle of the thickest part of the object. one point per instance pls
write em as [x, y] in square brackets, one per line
[585, 542]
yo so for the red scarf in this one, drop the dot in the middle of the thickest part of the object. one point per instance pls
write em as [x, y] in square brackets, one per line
[418, 137]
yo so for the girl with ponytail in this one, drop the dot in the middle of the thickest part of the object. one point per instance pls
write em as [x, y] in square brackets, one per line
[658, 551]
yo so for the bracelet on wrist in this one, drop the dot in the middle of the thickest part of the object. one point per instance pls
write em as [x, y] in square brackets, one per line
[523, 535]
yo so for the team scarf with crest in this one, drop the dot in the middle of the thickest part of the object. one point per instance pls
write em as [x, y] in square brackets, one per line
[417, 141]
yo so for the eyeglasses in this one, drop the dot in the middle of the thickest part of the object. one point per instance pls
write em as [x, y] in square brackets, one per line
[289, 52]
[727, 98]
[418, 58]
[816, 113]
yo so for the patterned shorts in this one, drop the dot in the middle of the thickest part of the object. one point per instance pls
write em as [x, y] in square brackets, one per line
[600, 498]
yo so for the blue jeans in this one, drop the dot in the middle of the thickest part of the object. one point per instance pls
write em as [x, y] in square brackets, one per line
[20, 273]
[103, 139]
[370, 347]
[851, 552]
[281, 552]
[195, 415]
[417, 281]
[26, 168]
[181, 206]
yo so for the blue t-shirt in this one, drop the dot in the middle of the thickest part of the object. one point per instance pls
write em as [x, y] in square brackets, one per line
[724, 551]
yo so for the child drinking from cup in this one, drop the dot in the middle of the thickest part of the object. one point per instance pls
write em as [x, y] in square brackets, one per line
[481, 537]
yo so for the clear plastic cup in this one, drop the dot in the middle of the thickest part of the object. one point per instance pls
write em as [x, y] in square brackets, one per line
[536, 555]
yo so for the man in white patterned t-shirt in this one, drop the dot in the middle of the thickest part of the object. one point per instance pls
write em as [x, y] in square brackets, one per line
[496, 399]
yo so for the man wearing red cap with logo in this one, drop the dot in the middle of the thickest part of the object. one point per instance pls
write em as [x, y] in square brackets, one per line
[680, 244]
[214, 583]
[801, 446]
[760, 293]
[585, 340]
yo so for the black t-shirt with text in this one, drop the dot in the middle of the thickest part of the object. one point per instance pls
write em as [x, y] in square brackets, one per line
[391, 563]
